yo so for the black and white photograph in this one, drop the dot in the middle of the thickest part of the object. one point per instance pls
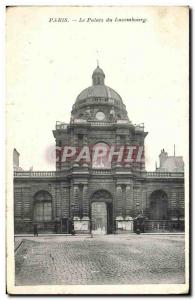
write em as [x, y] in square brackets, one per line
[97, 111]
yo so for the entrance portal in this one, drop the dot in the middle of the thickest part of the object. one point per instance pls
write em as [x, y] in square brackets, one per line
[101, 212]
[99, 217]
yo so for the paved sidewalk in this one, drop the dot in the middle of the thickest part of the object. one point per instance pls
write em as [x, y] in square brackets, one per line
[111, 259]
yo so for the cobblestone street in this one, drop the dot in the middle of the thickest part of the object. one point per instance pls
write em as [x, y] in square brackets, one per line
[111, 259]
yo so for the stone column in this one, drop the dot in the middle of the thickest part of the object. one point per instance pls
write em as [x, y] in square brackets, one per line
[65, 201]
[75, 140]
[18, 203]
[75, 208]
[124, 202]
[173, 204]
[118, 204]
[118, 140]
[127, 140]
[85, 200]
[26, 203]
[56, 200]
[129, 199]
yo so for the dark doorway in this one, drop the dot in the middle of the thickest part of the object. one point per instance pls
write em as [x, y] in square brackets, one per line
[158, 205]
[66, 225]
[109, 218]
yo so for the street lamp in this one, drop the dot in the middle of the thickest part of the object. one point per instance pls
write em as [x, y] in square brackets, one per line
[90, 227]
[72, 218]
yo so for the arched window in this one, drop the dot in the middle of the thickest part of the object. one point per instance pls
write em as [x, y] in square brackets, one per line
[42, 206]
[100, 156]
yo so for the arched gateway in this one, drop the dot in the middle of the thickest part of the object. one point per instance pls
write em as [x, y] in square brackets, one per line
[101, 212]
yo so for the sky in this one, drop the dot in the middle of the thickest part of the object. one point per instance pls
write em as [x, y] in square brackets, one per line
[50, 63]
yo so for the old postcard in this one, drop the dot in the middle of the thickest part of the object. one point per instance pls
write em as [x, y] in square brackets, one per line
[97, 150]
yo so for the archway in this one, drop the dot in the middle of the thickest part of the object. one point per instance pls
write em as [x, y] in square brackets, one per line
[101, 212]
[158, 205]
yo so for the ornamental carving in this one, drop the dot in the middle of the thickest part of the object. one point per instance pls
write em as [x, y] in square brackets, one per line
[101, 195]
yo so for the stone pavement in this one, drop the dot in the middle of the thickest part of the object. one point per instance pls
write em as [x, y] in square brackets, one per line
[110, 259]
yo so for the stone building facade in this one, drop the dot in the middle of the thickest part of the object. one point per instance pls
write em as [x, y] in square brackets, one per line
[98, 195]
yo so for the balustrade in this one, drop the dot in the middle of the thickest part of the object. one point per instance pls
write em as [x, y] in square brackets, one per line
[97, 172]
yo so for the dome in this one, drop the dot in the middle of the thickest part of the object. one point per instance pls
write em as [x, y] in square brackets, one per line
[99, 91]
[99, 102]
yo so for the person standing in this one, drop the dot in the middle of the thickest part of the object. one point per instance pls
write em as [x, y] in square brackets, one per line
[35, 230]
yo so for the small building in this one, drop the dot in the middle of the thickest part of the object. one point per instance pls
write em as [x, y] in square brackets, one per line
[170, 163]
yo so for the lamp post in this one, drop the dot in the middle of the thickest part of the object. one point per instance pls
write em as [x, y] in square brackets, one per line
[72, 218]
[90, 227]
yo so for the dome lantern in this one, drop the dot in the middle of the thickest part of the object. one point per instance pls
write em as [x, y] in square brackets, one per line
[98, 76]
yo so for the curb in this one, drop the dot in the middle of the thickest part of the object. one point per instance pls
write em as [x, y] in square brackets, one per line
[87, 235]
[50, 234]
[16, 249]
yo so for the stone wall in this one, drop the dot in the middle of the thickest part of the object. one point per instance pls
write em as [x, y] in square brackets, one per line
[72, 197]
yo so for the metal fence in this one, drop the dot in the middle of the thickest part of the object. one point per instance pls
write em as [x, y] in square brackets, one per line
[65, 226]
[163, 226]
